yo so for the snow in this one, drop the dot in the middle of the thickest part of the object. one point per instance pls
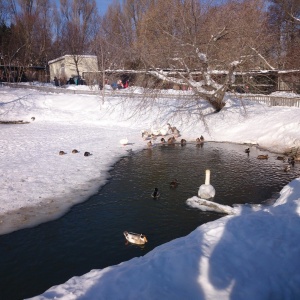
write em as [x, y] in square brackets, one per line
[251, 253]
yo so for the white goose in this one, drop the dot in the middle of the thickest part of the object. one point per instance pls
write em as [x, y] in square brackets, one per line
[135, 238]
[206, 191]
[155, 131]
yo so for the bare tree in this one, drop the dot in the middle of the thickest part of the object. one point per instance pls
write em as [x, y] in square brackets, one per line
[284, 21]
[183, 36]
[79, 25]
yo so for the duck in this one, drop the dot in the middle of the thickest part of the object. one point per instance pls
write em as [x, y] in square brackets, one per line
[146, 135]
[149, 144]
[170, 128]
[247, 150]
[171, 140]
[135, 238]
[174, 183]
[291, 161]
[176, 132]
[281, 158]
[153, 137]
[183, 142]
[297, 158]
[62, 153]
[87, 154]
[262, 156]
[124, 142]
[155, 193]
[75, 151]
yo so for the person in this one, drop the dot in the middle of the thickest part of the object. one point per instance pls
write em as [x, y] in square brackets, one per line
[114, 86]
[56, 81]
[120, 84]
[71, 81]
[126, 84]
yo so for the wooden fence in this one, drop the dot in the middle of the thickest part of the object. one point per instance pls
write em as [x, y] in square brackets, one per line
[268, 100]
[272, 100]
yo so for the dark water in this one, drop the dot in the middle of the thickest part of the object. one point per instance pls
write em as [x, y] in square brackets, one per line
[90, 235]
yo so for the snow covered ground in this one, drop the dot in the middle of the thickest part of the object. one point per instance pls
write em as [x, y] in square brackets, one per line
[251, 254]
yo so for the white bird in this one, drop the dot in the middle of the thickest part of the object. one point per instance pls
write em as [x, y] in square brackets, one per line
[124, 142]
[164, 130]
[206, 191]
[155, 131]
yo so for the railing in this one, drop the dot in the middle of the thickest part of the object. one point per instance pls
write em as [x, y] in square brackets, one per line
[272, 100]
[268, 100]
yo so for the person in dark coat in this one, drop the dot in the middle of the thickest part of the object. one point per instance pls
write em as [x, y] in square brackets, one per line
[56, 83]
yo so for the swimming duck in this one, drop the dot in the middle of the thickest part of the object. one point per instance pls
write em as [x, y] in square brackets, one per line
[135, 238]
[183, 142]
[87, 154]
[75, 151]
[124, 142]
[291, 161]
[156, 193]
[171, 140]
[174, 183]
[62, 153]
[261, 156]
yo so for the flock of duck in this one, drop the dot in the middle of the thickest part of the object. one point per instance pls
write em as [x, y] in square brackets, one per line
[150, 136]
[153, 134]
[75, 151]
[290, 160]
[206, 191]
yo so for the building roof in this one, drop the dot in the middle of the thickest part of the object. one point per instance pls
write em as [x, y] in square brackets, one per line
[69, 55]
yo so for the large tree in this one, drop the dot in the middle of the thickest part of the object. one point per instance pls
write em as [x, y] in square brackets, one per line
[284, 16]
[184, 36]
[77, 26]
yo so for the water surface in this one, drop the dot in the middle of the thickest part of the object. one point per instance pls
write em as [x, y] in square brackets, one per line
[90, 236]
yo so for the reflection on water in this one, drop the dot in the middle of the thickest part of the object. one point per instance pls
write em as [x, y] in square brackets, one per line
[90, 236]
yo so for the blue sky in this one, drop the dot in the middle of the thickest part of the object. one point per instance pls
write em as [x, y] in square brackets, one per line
[102, 5]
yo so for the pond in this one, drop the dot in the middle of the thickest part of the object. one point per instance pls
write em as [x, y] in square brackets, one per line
[90, 235]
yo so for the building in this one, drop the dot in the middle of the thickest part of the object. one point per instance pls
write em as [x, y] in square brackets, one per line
[69, 66]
